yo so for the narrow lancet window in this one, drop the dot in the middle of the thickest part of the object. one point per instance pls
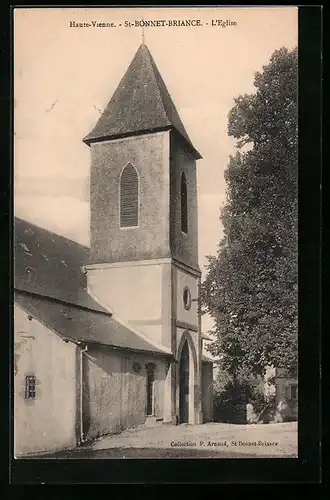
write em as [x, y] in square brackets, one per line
[184, 204]
[129, 197]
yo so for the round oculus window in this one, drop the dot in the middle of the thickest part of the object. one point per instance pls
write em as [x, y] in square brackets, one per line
[186, 298]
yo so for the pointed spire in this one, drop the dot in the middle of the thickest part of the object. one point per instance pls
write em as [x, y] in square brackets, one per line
[140, 104]
[143, 40]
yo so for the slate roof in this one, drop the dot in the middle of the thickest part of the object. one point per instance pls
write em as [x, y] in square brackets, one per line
[49, 264]
[76, 324]
[207, 359]
[141, 103]
[205, 336]
[50, 285]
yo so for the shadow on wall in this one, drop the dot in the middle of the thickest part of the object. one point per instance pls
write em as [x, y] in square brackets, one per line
[114, 392]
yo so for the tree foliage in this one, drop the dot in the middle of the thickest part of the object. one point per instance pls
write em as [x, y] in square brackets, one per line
[251, 286]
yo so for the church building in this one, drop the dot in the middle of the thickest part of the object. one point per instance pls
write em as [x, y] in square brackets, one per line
[109, 337]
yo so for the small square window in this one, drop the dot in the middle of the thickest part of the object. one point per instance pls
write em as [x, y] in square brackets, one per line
[30, 387]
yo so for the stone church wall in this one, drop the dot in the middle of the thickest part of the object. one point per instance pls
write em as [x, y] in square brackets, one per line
[184, 247]
[149, 154]
[115, 391]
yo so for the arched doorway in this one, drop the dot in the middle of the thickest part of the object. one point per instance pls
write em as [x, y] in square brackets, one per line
[184, 385]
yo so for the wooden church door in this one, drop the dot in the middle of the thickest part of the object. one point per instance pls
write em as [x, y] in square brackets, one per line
[184, 385]
[150, 389]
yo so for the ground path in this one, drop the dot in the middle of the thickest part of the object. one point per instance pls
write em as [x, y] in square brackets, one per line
[210, 440]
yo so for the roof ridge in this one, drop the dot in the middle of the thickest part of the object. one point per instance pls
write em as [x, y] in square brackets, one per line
[141, 101]
[161, 81]
[162, 88]
[50, 232]
[142, 336]
[64, 302]
[87, 137]
[153, 68]
[105, 332]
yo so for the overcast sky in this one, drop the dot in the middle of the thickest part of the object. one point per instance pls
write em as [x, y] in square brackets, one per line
[64, 76]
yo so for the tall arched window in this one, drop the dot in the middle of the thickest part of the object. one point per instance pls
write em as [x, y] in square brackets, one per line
[129, 197]
[184, 206]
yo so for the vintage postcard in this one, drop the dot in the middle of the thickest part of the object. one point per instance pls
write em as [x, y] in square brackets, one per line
[155, 236]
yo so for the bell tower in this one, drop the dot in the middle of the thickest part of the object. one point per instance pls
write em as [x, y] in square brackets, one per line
[143, 223]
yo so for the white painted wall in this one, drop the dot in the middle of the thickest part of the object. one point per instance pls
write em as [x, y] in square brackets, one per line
[48, 422]
[133, 293]
[186, 279]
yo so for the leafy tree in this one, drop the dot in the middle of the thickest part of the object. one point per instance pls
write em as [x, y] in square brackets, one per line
[251, 286]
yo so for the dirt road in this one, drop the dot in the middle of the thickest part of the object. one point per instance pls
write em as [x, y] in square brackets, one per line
[210, 440]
